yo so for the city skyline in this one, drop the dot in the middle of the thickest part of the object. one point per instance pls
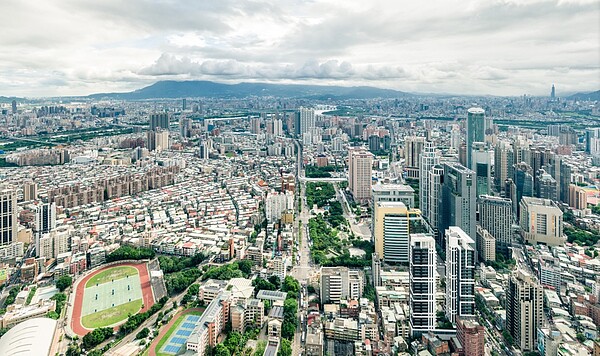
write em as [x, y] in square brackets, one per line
[504, 48]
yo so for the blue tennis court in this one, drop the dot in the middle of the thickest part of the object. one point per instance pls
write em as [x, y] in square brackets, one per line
[193, 318]
[188, 325]
[172, 349]
[185, 333]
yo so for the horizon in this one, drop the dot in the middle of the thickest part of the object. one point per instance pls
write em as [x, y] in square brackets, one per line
[504, 48]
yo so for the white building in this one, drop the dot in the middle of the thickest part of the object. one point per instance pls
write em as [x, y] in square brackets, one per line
[460, 274]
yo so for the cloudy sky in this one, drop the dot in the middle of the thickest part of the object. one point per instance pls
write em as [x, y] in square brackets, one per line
[497, 47]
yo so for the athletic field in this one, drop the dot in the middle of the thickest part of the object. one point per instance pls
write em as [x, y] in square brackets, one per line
[172, 338]
[110, 296]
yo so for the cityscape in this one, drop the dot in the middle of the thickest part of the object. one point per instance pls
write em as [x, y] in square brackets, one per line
[186, 183]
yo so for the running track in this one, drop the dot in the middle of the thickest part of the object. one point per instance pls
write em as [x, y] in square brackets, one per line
[147, 295]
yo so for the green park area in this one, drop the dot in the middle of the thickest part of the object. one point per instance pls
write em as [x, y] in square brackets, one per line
[111, 315]
[111, 274]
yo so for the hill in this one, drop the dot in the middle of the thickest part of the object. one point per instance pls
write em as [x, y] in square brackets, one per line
[593, 96]
[189, 89]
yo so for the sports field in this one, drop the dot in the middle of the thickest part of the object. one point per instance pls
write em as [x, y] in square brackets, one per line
[111, 297]
[171, 340]
[111, 274]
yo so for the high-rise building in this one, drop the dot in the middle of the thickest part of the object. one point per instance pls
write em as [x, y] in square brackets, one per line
[503, 164]
[482, 166]
[553, 93]
[546, 186]
[524, 309]
[374, 143]
[30, 191]
[306, 121]
[8, 215]
[255, 125]
[460, 274]
[428, 159]
[435, 180]
[360, 165]
[157, 140]
[592, 141]
[458, 203]
[183, 104]
[486, 244]
[523, 184]
[45, 221]
[413, 147]
[159, 120]
[394, 193]
[577, 197]
[495, 216]
[423, 280]
[475, 130]
[340, 283]
[203, 149]
[391, 230]
[185, 126]
[376, 269]
[564, 181]
[277, 127]
[541, 221]
[14, 106]
[471, 336]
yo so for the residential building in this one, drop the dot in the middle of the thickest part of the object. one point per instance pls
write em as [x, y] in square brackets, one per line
[471, 336]
[360, 165]
[423, 280]
[486, 243]
[475, 130]
[413, 147]
[340, 283]
[458, 203]
[524, 309]
[495, 216]
[159, 121]
[460, 274]
[8, 215]
[429, 158]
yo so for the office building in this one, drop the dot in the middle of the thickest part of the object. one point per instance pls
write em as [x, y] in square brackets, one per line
[541, 222]
[340, 283]
[203, 149]
[422, 285]
[495, 216]
[394, 193]
[413, 147]
[471, 336]
[14, 106]
[564, 181]
[475, 130]
[546, 186]
[429, 159]
[8, 215]
[523, 184]
[460, 274]
[592, 141]
[486, 244]
[482, 166]
[458, 201]
[577, 197]
[374, 143]
[524, 310]
[391, 230]
[360, 167]
[159, 121]
[503, 164]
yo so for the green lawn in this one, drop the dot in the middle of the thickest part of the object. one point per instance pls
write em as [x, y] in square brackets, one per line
[171, 331]
[112, 315]
[110, 274]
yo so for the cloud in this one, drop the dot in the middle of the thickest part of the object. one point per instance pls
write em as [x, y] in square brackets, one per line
[502, 47]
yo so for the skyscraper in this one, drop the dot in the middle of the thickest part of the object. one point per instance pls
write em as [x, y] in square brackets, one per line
[423, 278]
[546, 186]
[460, 274]
[360, 167]
[553, 93]
[523, 184]
[458, 201]
[14, 106]
[592, 141]
[413, 147]
[306, 121]
[30, 191]
[482, 165]
[391, 230]
[475, 130]
[428, 158]
[496, 216]
[159, 120]
[45, 221]
[524, 308]
[435, 179]
[8, 215]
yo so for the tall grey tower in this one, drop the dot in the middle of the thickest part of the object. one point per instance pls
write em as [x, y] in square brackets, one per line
[428, 159]
[460, 274]
[8, 215]
[475, 130]
[553, 93]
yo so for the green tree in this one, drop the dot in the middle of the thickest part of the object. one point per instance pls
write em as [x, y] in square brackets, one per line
[285, 349]
[245, 266]
[142, 334]
[64, 282]
[221, 350]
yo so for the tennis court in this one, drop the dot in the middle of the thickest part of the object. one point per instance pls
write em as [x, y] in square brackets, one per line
[178, 339]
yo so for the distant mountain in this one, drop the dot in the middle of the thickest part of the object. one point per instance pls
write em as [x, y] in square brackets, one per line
[189, 89]
[593, 96]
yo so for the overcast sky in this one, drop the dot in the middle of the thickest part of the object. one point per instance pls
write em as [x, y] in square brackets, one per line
[504, 47]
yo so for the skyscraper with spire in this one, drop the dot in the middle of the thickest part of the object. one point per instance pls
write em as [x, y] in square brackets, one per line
[553, 93]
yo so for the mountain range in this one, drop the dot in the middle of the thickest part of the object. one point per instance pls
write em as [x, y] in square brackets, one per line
[593, 96]
[170, 89]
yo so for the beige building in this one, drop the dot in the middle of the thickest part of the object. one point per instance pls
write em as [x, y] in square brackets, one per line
[391, 228]
[250, 313]
[541, 221]
[577, 197]
[486, 243]
[360, 164]
[16, 313]
[524, 309]
[340, 283]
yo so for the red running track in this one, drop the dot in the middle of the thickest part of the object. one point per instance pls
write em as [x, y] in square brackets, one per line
[147, 295]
